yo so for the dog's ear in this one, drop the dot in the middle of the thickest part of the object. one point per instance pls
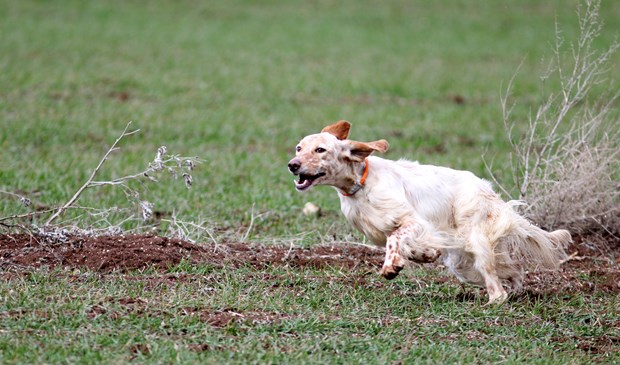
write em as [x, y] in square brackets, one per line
[339, 129]
[358, 151]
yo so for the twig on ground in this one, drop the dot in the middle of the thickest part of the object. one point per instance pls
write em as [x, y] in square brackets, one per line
[182, 231]
[22, 199]
[572, 257]
[365, 245]
[288, 253]
[247, 232]
[26, 215]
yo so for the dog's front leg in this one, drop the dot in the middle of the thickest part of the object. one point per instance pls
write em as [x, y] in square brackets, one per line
[408, 241]
[393, 263]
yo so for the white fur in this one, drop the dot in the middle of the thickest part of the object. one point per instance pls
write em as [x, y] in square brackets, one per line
[421, 212]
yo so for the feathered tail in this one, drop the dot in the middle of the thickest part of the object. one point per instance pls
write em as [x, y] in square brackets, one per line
[535, 247]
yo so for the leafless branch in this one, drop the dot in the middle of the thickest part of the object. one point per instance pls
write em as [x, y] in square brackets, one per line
[567, 163]
[92, 175]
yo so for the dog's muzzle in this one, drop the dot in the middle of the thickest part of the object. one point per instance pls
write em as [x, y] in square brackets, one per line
[294, 165]
[305, 180]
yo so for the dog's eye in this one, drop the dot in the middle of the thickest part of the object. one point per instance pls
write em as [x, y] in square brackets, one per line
[320, 150]
[298, 148]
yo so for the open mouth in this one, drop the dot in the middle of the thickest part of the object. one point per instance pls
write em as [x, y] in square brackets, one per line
[305, 181]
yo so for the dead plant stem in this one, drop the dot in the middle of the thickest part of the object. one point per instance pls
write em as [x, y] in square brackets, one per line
[77, 194]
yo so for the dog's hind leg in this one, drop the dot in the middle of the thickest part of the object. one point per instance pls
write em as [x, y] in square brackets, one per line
[485, 264]
[508, 270]
[408, 241]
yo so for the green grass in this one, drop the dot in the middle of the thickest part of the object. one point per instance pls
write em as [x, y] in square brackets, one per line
[289, 316]
[238, 84]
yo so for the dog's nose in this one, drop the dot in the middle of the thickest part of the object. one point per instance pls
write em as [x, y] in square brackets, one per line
[294, 165]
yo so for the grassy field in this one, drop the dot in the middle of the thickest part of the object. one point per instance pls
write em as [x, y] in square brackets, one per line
[237, 84]
[204, 315]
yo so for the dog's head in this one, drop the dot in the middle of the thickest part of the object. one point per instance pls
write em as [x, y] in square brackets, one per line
[328, 158]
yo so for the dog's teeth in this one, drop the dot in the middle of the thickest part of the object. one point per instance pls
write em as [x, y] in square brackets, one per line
[303, 184]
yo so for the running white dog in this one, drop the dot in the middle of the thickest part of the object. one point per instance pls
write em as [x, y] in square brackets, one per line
[423, 212]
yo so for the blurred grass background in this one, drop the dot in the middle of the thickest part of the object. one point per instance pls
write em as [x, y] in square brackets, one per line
[238, 83]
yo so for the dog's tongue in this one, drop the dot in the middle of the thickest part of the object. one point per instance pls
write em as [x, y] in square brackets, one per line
[303, 183]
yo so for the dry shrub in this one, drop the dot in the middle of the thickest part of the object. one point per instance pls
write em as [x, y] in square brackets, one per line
[566, 165]
[108, 221]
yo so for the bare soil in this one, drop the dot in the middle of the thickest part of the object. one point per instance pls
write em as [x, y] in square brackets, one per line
[589, 270]
[134, 252]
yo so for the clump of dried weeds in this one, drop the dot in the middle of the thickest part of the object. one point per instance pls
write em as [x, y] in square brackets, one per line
[162, 163]
[566, 165]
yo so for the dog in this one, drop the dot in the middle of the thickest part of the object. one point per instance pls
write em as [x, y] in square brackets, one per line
[421, 213]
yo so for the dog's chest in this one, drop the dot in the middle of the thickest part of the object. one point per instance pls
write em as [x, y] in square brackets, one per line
[376, 222]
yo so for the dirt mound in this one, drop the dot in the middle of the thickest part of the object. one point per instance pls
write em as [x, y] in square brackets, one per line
[586, 271]
[131, 252]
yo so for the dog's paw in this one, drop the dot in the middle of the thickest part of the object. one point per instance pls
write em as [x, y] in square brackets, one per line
[423, 255]
[497, 298]
[390, 272]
